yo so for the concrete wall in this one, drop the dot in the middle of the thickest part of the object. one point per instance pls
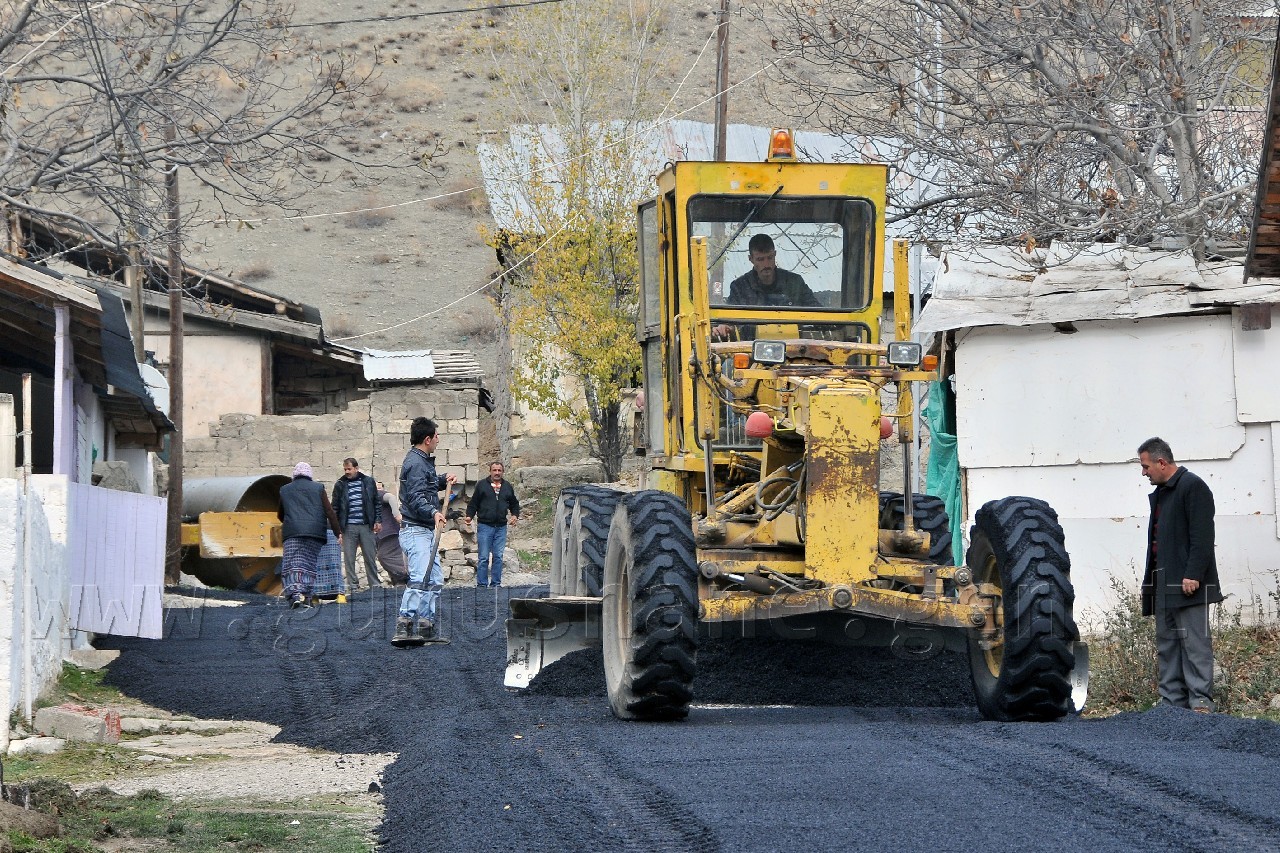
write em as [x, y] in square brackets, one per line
[1060, 416]
[375, 431]
[38, 635]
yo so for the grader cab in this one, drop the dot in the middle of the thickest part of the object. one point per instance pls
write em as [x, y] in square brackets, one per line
[764, 375]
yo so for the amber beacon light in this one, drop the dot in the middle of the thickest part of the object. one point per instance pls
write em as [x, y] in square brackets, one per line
[781, 146]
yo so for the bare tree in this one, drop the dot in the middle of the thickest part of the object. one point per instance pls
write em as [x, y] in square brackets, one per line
[1038, 120]
[88, 91]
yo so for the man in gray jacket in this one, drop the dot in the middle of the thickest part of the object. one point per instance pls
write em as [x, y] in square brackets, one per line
[1181, 579]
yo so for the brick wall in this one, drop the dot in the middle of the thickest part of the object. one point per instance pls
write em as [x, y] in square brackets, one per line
[375, 431]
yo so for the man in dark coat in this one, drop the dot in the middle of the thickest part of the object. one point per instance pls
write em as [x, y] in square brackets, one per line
[1181, 579]
[355, 500]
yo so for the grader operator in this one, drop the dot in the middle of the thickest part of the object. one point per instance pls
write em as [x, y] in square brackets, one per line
[760, 329]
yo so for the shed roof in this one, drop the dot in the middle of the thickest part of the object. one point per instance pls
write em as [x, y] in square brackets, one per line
[1007, 286]
[443, 366]
[101, 346]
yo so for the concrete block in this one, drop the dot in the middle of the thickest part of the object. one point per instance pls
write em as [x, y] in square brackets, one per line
[421, 409]
[451, 441]
[451, 411]
[464, 456]
[140, 725]
[93, 659]
[36, 746]
[73, 722]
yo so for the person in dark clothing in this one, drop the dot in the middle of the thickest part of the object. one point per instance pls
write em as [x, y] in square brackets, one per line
[390, 554]
[493, 501]
[1181, 578]
[304, 508]
[423, 520]
[355, 499]
[765, 285]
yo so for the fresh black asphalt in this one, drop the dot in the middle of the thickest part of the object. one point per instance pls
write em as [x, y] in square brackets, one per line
[790, 746]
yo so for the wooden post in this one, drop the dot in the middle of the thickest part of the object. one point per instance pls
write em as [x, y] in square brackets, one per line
[722, 81]
[173, 563]
[133, 280]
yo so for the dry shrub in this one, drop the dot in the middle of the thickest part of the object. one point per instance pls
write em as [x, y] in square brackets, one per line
[340, 326]
[370, 213]
[382, 258]
[415, 96]
[256, 271]
[463, 196]
[478, 323]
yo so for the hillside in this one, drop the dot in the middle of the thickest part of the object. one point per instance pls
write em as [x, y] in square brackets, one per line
[371, 270]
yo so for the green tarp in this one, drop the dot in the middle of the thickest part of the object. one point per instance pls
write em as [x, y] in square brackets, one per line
[942, 477]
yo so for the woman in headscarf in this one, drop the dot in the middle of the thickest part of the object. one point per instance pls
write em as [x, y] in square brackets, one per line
[304, 508]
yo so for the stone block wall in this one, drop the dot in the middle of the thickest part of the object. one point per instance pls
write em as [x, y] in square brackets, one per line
[375, 431]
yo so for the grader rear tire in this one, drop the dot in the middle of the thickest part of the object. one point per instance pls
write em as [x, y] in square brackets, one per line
[650, 608]
[1018, 547]
[589, 537]
[564, 552]
[928, 513]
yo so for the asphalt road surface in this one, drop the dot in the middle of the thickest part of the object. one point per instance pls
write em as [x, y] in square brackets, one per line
[788, 747]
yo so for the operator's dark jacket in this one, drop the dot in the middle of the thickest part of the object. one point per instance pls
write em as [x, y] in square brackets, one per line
[491, 508]
[420, 488]
[1184, 548]
[372, 506]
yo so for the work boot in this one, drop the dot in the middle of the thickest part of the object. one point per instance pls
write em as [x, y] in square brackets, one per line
[426, 629]
[404, 631]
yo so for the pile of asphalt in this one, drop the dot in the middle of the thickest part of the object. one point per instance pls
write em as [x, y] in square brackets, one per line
[482, 767]
[790, 672]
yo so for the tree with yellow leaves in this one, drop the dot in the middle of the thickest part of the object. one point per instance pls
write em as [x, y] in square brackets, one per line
[578, 76]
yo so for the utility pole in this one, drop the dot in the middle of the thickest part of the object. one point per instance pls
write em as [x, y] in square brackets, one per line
[722, 81]
[173, 538]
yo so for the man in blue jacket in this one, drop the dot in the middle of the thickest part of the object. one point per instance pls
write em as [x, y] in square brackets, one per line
[1181, 579]
[423, 518]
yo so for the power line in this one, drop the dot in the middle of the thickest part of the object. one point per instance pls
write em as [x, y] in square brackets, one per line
[389, 18]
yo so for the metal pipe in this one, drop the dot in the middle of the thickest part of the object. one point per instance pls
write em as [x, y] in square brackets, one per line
[27, 590]
[711, 480]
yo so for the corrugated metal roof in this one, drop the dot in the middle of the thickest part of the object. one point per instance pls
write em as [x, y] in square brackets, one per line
[407, 365]
[1006, 286]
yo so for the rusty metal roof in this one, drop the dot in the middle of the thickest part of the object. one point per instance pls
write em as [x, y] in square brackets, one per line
[1263, 260]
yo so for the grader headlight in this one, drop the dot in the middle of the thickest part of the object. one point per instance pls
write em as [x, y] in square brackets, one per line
[905, 354]
[769, 352]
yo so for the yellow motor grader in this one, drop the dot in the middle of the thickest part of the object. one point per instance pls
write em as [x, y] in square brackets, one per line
[764, 374]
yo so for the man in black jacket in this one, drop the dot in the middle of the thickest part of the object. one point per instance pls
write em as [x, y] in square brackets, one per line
[355, 499]
[1181, 579]
[493, 501]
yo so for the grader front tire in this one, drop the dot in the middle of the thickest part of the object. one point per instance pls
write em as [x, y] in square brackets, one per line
[1017, 547]
[650, 608]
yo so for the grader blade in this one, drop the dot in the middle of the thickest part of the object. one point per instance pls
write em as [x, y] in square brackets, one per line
[1080, 676]
[540, 631]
